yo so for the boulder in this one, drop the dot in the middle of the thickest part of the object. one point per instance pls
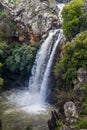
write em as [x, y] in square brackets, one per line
[70, 110]
[82, 75]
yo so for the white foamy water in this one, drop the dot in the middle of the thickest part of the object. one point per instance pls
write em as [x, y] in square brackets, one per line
[33, 101]
[44, 85]
[60, 7]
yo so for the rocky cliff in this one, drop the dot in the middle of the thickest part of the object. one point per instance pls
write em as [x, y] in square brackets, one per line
[34, 18]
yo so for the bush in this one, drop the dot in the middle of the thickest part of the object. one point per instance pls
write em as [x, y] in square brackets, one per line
[4, 51]
[59, 125]
[22, 59]
[83, 22]
[28, 128]
[1, 81]
[7, 27]
[71, 14]
[75, 57]
[82, 123]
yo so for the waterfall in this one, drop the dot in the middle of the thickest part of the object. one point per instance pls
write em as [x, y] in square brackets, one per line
[41, 70]
[40, 63]
[40, 74]
[33, 101]
[44, 85]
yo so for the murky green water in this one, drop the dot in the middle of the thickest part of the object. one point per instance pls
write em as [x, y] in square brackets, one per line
[18, 117]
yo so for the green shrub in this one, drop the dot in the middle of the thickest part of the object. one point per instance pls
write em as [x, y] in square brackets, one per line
[85, 100]
[83, 22]
[75, 57]
[28, 128]
[22, 59]
[71, 14]
[59, 124]
[1, 82]
[7, 27]
[82, 123]
[4, 51]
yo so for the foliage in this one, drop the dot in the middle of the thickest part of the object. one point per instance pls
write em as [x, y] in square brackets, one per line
[7, 27]
[59, 124]
[28, 128]
[1, 82]
[64, 94]
[75, 56]
[1, 8]
[85, 99]
[82, 123]
[83, 22]
[22, 59]
[1, 66]
[71, 14]
[4, 51]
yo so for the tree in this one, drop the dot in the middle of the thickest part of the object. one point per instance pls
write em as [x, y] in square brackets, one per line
[22, 59]
[71, 14]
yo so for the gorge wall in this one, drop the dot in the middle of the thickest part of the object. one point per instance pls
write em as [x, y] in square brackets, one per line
[33, 18]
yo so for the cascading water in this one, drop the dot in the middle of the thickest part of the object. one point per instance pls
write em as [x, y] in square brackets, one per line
[40, 64]
[39, 79]
[22, 108]
[38, 82]
[45, 82]
[33, 101]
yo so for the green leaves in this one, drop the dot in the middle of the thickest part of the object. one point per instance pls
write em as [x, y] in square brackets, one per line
[22, 59]
[75, 56]
[4, 51]
[71, 17]
[7, 27]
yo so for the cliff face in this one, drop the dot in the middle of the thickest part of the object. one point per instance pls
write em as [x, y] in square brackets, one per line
[34, 19]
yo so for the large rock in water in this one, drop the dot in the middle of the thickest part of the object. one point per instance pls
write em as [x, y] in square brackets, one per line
[34, 19]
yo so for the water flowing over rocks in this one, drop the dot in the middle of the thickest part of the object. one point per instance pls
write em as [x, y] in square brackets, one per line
[34, 19]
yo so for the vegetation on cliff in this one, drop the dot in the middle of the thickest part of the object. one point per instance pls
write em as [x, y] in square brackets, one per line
[70, 86]
[75, 57]
[72, 13]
